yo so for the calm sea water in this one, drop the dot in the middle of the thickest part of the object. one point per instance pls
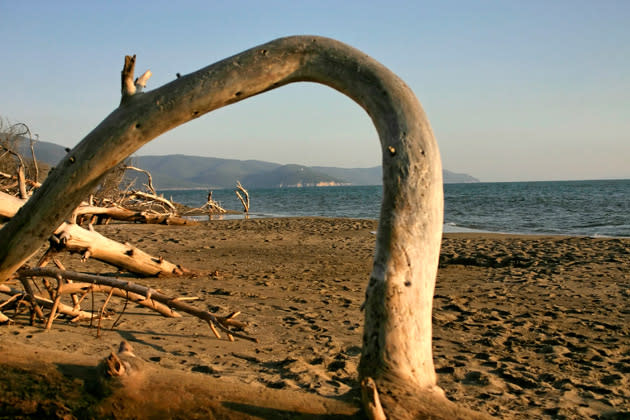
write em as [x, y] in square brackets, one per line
[590, 208]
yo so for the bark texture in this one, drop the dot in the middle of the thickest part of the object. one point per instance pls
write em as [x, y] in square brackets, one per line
[397, 338]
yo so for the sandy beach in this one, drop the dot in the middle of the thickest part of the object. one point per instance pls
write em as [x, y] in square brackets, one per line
[524, 326]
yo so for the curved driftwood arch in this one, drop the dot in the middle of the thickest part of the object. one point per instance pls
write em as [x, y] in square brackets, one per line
[397, 337]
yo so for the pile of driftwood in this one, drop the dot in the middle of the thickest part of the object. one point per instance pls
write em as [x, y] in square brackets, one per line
[49, 293]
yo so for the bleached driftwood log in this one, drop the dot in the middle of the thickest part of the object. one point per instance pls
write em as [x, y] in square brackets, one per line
[9, 205]
[91, 244]
[397, 335]
[123, 214]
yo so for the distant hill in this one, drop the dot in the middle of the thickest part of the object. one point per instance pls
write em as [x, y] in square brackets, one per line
[174, 171]
[373, 176]
[182, 171]
[46, 152]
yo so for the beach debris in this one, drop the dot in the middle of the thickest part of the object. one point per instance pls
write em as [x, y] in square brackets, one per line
[11, 160]
[244, 201]
[80, 285]
[397, 355]
[210, 206]
[91, 244]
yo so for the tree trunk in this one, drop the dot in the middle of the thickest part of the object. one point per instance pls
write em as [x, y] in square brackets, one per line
[397, 336]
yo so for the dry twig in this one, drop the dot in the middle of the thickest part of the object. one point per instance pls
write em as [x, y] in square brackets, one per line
[151, 296]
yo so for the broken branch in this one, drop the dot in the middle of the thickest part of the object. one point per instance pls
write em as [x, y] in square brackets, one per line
[222, 323]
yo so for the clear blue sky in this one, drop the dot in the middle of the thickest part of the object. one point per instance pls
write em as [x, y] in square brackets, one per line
[514, 90]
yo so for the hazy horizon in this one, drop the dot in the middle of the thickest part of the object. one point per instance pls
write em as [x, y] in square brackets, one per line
[514, 91]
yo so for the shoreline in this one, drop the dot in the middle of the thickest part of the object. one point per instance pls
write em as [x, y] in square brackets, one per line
[524, 325]
[447, 228]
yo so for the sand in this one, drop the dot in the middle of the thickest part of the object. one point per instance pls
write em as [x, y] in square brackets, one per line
[524, 326]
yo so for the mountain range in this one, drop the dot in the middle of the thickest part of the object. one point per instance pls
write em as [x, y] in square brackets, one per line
[183, 171]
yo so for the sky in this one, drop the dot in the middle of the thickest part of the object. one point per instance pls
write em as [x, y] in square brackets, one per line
[514, 90]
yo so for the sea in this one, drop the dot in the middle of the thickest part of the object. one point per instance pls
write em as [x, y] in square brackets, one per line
[577, 208]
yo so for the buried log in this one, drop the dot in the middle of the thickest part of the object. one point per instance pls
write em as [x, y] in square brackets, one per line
[143, 389]
[397, 337]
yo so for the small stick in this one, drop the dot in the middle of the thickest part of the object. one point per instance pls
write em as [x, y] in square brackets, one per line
[11, 299]
[53, 312]
[31, 297]
[214, 330]
[98, 328]
[123, 310]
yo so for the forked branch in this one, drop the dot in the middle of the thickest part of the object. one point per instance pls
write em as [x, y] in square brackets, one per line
[144, 295]
[244, 201]
[129, 87]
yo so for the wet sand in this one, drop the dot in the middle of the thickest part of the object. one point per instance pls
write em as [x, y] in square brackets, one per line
[524, 326]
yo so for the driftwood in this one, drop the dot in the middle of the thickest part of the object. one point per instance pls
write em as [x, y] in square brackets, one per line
[152, 197]
[127, 215]
[146, 296]
[397, 335]
[29, 182]
[91, 244]
[149, 183]
[245, 200]
[21, 296]
[210, 206]
[21, 172]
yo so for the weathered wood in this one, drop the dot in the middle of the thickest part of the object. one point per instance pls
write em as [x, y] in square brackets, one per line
[14, 177]
[223, 323]
[245, 200]
[371, 401]
[9, 205]
[128, 88]
[92, 244]
[21, 177]
[84, 287]
[123, 214]
[76, 313]
[149, 183]
[152, 197]
[398, 332]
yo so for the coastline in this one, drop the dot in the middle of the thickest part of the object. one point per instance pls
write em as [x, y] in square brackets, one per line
[525, 326]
